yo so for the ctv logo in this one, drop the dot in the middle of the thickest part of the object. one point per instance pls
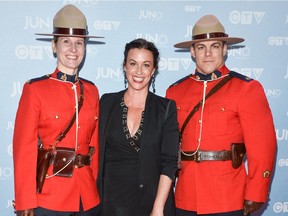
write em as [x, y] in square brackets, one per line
[174, 64]
[254, 73]
[246, 17]
[106, 25]
[192, 8]
[33, 52]
[283, 162]
[280, 207]
[6, 172]
[277, 41]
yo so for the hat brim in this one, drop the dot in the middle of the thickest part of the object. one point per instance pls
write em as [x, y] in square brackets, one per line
[228, 40]
[68, 35]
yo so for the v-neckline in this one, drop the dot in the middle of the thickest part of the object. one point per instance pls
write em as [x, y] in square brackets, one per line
[134, 140]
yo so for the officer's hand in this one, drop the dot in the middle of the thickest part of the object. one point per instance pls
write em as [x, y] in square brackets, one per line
[251, 206]
[26, 212]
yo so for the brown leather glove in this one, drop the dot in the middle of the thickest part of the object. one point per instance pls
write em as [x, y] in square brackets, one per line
[26, 212]
[251, 206]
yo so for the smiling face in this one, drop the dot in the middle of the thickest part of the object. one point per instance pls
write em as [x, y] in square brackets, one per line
[209, 55]
[139, 68]
[70, 52]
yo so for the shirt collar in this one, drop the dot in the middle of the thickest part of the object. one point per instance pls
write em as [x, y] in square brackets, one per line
[65, 77]
[215, 75]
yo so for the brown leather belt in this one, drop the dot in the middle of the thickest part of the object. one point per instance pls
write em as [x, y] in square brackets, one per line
[82, 160]
[202, 155]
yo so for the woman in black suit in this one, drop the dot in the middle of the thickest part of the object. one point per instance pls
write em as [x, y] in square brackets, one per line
[138, 141]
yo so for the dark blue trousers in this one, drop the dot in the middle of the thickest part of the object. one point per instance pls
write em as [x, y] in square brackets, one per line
[180, 212]
[46, 212]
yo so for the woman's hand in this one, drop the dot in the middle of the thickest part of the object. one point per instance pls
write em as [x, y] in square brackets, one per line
[157, 211]
[164, 187]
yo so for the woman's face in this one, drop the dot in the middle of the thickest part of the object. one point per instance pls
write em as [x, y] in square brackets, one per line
[70, 52]
[139, 69]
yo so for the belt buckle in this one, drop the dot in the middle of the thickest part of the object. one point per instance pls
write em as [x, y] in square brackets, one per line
[197, 157]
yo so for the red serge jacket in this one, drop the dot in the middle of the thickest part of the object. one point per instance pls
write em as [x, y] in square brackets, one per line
[46, 107]
[237, 113]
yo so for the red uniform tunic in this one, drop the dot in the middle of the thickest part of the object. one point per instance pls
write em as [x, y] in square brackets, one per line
[45, 109]
[237, 113]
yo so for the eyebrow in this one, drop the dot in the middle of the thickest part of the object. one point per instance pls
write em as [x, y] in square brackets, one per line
[217, 42]
[147, 61]
[68, 38]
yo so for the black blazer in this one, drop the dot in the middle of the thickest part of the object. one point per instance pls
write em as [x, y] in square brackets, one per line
[159, 146]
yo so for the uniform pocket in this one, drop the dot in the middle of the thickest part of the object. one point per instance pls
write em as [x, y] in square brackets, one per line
[222, 117]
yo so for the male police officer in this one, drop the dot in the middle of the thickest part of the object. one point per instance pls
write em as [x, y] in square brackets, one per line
[213, 179]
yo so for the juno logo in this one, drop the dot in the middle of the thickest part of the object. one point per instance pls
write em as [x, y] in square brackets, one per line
[37, 22]
[150, 14]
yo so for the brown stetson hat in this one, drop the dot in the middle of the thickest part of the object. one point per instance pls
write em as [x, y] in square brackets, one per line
[208, 28]
[70, 21]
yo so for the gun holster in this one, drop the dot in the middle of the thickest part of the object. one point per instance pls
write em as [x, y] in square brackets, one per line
[238, 151]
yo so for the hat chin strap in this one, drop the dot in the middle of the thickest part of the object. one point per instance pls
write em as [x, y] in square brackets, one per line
[69, 31]
[209, 35]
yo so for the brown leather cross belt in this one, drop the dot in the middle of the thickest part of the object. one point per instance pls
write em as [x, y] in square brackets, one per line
[82, 160]
[202, 155]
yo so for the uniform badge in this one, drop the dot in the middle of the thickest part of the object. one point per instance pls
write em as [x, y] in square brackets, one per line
[63, 77]
[266, 174]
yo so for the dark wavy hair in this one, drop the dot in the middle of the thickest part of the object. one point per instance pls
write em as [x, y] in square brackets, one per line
[141, 43]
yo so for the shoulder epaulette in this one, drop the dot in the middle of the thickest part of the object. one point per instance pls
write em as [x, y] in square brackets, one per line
[85, 80]
[181, 80]
[240, 76]
[38, 79]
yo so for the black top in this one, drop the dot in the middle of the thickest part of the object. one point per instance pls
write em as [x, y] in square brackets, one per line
[137, 178]
[121, 163]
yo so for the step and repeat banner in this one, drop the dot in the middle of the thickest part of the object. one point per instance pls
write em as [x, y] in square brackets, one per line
[263, 56]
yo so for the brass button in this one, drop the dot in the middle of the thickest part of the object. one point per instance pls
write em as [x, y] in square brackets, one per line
[56, 116]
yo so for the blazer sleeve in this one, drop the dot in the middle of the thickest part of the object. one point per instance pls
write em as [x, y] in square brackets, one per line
[170, 141]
